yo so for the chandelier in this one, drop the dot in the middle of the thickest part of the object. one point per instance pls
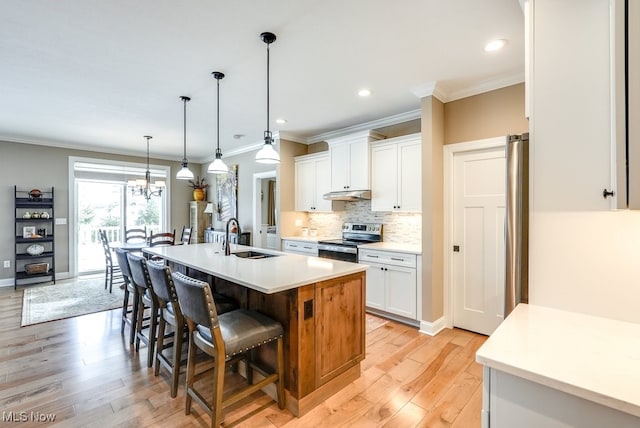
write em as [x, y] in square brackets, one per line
[143, 187]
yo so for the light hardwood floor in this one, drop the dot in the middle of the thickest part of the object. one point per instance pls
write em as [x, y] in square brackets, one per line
[83, 371]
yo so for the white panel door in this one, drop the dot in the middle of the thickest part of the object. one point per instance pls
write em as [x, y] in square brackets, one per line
[478, 232]
[401, 291]
[375, 286]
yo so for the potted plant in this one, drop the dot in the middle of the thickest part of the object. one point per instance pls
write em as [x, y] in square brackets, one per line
[199, 186]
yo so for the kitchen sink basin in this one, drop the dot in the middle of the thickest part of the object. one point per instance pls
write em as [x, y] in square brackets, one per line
[253, 255]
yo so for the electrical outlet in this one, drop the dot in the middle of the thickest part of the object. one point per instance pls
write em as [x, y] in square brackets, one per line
[7, 263]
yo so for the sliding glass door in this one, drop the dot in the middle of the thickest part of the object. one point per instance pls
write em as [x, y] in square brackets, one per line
[101, 198]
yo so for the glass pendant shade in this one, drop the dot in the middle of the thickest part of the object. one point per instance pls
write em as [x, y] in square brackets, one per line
[185, 173]
[218, 166]
[267, 154]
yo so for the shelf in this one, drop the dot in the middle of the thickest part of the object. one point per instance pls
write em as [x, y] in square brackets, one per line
[23, 203]
[24, 275]
[21, 240]
[26, 256]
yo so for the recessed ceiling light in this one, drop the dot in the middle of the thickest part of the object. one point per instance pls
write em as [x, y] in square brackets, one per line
[281, 121]
[495, 45]
[364, 92]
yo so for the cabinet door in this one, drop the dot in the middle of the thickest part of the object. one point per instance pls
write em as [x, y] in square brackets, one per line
[384, 178]
[305, 185]
[359, 166]
[401, 291]
[375, 286]
[322, 184]
[570, 110]
[409, 177]
[339, 154]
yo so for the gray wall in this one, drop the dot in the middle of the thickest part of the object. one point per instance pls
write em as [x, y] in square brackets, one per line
[33, 166]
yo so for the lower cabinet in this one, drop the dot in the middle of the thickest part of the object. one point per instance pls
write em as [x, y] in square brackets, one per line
[300, 247]
[391, 282]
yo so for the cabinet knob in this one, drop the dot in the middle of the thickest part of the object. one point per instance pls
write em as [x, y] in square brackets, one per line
[606, 193]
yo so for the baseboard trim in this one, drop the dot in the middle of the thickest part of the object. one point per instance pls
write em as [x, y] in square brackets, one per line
[432, 328]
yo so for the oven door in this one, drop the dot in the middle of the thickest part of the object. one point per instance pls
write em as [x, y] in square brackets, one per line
[338, 252]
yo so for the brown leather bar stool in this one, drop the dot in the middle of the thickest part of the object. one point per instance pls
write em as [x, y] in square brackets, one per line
[146, 299]
[129, 316]
[228, 338]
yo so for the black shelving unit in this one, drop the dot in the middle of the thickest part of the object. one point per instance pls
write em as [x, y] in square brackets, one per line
[43, 229]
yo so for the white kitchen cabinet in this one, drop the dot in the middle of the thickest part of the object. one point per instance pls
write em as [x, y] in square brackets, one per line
[312, 181]
[350, 161]
[300, 247]
[575, 108]
[391, 282]
[396, 179]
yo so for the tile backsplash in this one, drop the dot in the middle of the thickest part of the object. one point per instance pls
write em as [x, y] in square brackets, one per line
[397, 227]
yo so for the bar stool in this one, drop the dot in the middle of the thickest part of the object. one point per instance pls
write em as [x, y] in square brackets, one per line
[146, 299]
[129, 316]
[228, 338]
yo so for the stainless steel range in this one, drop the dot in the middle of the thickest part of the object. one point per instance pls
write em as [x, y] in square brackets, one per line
[353, 234]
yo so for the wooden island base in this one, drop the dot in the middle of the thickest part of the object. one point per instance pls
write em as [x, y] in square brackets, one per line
[324, 325]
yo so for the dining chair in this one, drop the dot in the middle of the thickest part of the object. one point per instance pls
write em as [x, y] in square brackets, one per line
[146, 300]
[185, 238]
[110, 268]
[228, 338]
[129, 316]
[135, 234]
[162, 238]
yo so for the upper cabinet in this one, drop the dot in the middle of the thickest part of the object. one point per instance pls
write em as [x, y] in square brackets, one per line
[312, 181]
[576, 99]
[350, 161]
[396, 179]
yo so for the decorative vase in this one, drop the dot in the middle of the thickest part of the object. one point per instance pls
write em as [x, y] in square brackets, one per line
[198, 194]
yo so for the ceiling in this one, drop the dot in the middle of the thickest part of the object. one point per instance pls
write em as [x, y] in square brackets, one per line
[100, 74]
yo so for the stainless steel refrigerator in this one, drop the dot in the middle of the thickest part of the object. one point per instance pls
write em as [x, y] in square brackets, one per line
[517, 222]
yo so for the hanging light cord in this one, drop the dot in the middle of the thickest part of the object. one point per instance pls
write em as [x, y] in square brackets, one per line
[218, 116]
[268, 90]
[184, 135]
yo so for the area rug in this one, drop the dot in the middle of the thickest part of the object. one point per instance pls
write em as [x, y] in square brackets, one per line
[67, 299]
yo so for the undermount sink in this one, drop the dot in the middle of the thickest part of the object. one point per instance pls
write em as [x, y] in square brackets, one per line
[253, 255]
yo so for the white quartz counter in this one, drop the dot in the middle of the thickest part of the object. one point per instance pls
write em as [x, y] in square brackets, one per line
[268, 275]
[398, 247]
[594, 358]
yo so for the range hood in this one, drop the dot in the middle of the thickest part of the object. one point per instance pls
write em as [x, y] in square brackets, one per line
[348, 195]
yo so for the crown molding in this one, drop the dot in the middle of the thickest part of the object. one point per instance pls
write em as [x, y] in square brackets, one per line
[374, 124]
[486, 86]
[84, 148]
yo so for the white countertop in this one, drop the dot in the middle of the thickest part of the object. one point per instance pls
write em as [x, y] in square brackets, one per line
[268, 275]
[397, 247]
[594, 358]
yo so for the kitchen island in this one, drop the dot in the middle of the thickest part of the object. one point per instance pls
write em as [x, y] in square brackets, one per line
[550, 368]
[319, 302]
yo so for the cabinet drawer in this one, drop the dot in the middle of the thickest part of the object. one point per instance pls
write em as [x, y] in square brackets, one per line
[387, 257]
[309, 248]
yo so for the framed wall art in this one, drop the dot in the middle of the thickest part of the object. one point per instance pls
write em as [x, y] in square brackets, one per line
[227, 194]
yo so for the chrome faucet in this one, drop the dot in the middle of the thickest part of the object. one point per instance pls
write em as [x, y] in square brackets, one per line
[227, 247]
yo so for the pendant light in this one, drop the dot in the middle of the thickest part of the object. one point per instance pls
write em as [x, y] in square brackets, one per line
[218, 166]
[185, 173]
[267, 153]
